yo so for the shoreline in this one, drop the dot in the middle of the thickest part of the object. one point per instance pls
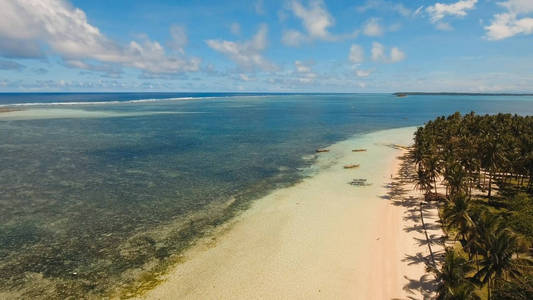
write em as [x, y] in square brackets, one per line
[321, 238]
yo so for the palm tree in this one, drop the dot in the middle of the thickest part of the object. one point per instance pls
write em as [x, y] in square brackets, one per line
[497, 263]
[455, 177]
[456, 214]
[452, 277]
[423, 181]
[464, 292]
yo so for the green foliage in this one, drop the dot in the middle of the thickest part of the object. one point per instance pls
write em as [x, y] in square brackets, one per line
[482, 152]
[517, 290]
[452, 277]
[521, 217]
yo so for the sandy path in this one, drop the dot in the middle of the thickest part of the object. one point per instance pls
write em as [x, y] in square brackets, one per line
[321, 238]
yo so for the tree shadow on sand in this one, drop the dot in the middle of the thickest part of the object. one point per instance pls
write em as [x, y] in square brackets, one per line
[398, 195]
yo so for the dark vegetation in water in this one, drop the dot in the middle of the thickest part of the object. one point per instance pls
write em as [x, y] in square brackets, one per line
[96, 207]
[486, 164]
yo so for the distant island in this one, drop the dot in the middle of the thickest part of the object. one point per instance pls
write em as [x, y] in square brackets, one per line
[404, 94]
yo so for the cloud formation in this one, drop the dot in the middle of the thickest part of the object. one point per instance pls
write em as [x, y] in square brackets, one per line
[363, 73]
[316, 20]
[303, 73]
[248, 54]
[385, 5]
[511, 22]
[357, 54]
[25, 25]
[379, 54]
[179, 38]
[439, 11]
[373, 28]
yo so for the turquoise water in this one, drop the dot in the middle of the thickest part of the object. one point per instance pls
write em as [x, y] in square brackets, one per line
[88, 202]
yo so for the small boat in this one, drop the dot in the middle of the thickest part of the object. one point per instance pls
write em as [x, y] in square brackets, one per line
[322, 150]
[360, 182]
[358, 150]
[351, 166]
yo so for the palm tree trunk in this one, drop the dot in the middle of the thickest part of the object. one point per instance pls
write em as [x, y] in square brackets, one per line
[471, 185]
[488, 290]
[490, 184]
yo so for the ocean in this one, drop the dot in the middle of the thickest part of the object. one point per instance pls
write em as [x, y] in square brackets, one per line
[101, 191]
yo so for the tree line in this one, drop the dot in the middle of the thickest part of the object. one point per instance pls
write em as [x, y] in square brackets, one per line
[484, 163]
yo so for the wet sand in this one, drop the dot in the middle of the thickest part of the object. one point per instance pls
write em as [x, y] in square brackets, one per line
[14, 114]
[321, 238]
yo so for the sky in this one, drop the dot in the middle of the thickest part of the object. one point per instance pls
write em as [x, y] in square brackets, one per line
[266, 46]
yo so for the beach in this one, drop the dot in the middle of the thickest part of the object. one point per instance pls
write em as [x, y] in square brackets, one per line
[322, 237]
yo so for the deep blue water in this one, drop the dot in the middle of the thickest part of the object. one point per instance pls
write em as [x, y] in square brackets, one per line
[85, 201]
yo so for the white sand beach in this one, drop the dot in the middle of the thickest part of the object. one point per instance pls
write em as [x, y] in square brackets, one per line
[321, 238]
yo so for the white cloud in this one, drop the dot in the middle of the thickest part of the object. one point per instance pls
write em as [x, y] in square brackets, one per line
[248, 54]
[357, 54]
[179, 38]
[235, 28]
[379, 54]
[385, 5]
[316, 21]
[443, 26]
[511, 23]
[439, 10]
[363, 73]
[244, 77]
[293, 38]
[396, 55]
[315, 18]
[373, 28]
[518, 6]
[418, 11]
[26, 24]
[304, 72]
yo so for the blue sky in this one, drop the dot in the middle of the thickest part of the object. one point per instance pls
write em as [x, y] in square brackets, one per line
[267, 46]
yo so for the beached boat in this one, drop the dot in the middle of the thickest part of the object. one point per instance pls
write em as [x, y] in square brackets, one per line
[360, 182]
[351, 166]
[358, 150]
[322, 150]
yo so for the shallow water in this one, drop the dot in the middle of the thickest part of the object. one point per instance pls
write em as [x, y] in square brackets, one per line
[92, 194]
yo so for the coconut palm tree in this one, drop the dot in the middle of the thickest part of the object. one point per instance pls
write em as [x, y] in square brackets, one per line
[456, 215]
[498, 263]
[455, 177]
[452, 277]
